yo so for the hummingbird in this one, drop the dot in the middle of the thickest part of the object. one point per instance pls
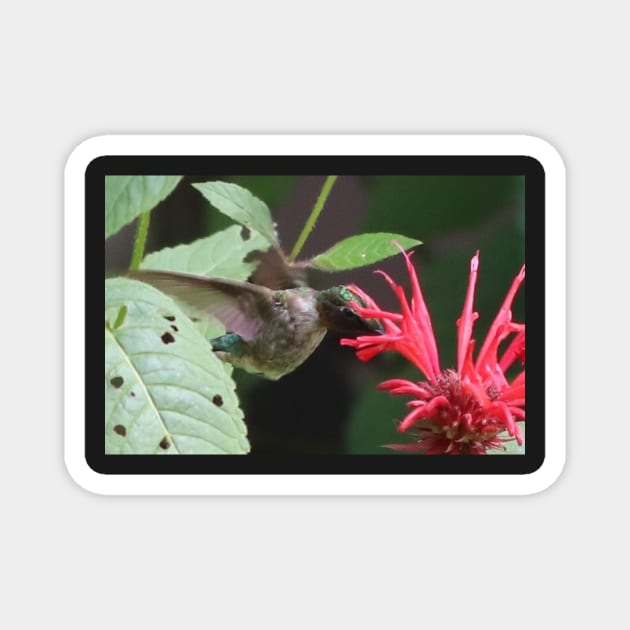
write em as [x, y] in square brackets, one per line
[268, 332]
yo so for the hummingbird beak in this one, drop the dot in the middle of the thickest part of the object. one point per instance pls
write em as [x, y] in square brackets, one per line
[376, 326]
[338, 315]
[367, 327]
[345, 321]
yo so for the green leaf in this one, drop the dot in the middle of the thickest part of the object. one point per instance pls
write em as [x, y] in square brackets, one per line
[220, 255]
[127, 196]
[239, 204]
[274, 189]
[361, 250]
[165, 391]
[512, 447]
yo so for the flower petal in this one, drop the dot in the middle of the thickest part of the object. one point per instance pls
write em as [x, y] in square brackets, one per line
[487, 354]
[468, 317]
[427, 410]
[459, 411]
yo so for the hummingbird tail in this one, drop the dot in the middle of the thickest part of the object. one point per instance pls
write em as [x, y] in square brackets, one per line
[231, 343]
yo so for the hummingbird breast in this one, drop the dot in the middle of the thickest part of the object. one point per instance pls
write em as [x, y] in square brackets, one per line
[291, 336]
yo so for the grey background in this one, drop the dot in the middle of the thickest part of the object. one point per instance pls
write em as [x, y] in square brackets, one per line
[73, 70]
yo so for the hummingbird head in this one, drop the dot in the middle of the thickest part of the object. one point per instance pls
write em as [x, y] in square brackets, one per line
[337, 315]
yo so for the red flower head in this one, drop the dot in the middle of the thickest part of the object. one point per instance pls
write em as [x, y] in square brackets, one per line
[459, 411]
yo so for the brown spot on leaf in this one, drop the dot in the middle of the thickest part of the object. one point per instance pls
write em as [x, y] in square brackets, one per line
[167, 338]
[117, 381]
[174, 327]
[217, 400]
[132, 393]
[120, 430]
[171, 318]
[164, 443]
[245, 233]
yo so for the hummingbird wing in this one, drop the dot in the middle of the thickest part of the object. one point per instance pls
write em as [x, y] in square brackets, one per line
[275, 272]
[239, 306]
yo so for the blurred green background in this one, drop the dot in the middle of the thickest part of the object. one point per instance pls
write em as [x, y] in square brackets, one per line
[330, 404]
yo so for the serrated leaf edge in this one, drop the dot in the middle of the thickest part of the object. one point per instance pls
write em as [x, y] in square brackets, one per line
[315, 264]
[272, 238]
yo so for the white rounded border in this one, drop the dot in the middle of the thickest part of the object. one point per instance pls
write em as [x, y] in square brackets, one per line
[555, 316]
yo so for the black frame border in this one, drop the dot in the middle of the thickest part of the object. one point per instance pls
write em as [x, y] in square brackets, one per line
[252, 463]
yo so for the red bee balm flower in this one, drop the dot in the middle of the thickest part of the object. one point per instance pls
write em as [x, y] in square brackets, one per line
[459, 411]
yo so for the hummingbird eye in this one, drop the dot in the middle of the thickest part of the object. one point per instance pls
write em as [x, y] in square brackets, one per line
[349, 313]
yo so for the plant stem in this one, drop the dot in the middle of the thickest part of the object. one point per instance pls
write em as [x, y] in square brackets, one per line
[122, 313]
[141, 240]
[312, 219]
